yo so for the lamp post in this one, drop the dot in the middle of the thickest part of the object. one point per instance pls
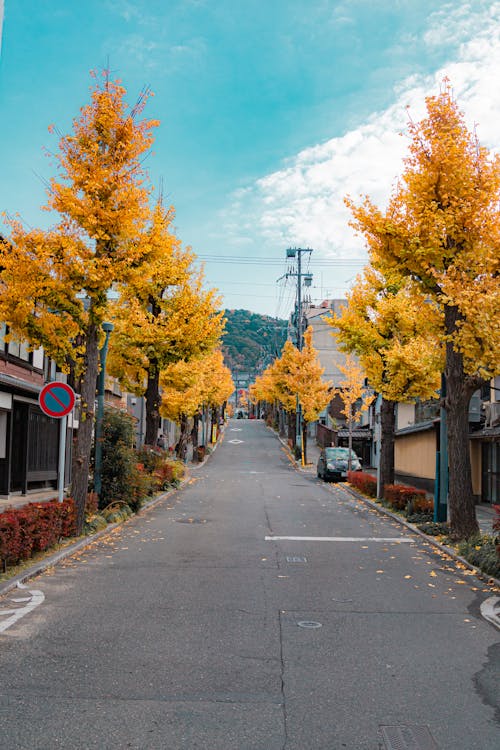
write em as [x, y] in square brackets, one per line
[107, 328]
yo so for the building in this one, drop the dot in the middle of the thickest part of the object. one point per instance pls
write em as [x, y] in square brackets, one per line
[29, 440]
[332, 429]
[417, 440]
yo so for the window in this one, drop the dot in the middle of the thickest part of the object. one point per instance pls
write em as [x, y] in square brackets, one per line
[18, 349]
[426, 411]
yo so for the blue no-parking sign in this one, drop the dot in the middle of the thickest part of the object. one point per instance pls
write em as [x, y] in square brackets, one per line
[56, 399]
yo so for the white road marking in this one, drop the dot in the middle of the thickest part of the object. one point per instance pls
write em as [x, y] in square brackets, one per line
[236, 442]
[337, 539]
[235, 429]
[36, 598]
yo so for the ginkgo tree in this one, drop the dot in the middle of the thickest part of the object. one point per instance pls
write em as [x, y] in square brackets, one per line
[441, 229]
[189, 385]
[395, 334]
[54, 284]
[295, 379]
[313, 393]
[163, 315]
[355, 397]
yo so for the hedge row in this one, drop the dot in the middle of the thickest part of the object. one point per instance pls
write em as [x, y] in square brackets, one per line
[34, 528]
[401, 497]
[398, 496]
[365, 483]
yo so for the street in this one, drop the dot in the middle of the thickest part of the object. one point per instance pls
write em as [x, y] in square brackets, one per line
[194, 627]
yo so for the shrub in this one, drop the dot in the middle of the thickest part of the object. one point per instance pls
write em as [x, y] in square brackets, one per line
[434, 529]
[401, 497]
[91, 504]
[120, 475]
[95, 523]
[425, 517]
[422, 504]
[10, 537]
[365, 483]
[35, 527]
[481, 551]
[496, 526]
[150, 458]
[116, 512]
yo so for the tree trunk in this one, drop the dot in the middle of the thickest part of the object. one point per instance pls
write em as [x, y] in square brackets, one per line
[194, 436]
[281, 420]
[152, 404]
[461, 506]
[349, 441]
[83, 442]
[386, 457]
[304, 442]
[291, 427]
[213, 423]
[182, 443]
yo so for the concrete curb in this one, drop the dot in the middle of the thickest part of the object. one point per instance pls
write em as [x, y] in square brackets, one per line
[54, 559]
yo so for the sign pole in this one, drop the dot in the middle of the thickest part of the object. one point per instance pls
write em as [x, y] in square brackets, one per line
[57, 400]
[62, 459]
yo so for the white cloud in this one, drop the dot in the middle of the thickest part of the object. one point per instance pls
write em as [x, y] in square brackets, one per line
[302, 203]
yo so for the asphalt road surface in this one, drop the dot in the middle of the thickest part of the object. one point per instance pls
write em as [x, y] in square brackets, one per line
[188, 629]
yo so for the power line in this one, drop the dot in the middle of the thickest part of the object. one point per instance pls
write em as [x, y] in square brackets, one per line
[328, 262]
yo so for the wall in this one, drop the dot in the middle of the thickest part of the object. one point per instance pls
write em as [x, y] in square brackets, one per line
[323, 340]
[415, 454]
[405, 415]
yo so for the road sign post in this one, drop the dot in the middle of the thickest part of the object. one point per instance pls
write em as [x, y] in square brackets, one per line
[57, 401]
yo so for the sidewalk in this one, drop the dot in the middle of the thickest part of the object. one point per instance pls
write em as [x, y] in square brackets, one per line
[17, 501]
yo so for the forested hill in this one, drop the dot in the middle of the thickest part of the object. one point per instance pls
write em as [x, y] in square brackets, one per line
[251, 341]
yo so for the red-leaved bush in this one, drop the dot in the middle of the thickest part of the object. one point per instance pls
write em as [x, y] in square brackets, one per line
[365, 483]
[400, 496]
[34, 528]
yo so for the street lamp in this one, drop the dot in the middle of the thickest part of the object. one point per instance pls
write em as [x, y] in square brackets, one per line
[107, 328]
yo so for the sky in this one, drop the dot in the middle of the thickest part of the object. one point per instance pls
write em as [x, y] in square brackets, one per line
[271, 111]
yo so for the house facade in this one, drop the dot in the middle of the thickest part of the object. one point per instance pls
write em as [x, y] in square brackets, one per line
[417, 440]
[29, 440]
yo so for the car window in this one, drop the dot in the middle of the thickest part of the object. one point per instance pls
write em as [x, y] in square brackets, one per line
[332, 453]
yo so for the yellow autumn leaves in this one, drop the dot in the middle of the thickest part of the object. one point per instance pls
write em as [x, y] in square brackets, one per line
[296, 375]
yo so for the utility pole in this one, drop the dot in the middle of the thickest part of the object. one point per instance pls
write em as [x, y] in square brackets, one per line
[296, 252]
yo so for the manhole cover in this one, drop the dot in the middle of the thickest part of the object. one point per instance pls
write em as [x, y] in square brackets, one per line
[192, 520]
[294, 560]
[408, 738]
[309, 624]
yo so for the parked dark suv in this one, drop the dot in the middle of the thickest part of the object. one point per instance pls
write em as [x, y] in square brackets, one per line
[333, 464]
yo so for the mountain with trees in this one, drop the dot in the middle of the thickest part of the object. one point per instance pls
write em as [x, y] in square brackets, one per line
[251, 341]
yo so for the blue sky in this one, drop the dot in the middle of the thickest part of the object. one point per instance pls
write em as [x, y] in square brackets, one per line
[271, 112]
